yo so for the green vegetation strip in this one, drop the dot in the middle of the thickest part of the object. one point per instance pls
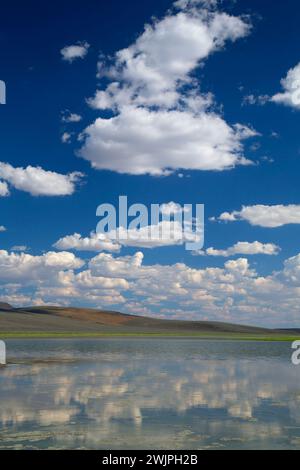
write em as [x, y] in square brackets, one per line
[216, 336]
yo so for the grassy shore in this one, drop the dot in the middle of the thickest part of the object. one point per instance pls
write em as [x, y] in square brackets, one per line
[202, 335]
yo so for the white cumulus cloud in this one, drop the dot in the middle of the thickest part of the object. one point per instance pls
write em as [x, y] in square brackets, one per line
[71, 117]
[234, 292]
[265, 216]
[157, 127]
[66, 137]
[39, 182]
[4, 190]
[245, 248]
[291, 89]
[75, 51]
[140, 141]
[164, 233]
[25, 268]
[95, 242]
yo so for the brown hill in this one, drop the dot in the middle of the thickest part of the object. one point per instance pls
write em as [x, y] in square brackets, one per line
[60, 319]
[5, 306]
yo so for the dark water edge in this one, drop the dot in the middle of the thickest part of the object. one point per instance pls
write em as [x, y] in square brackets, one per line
[139, 393]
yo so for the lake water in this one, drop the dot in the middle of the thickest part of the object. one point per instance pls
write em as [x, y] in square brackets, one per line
[149, 394]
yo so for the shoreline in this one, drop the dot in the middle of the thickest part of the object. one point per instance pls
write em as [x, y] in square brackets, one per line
[99, 335]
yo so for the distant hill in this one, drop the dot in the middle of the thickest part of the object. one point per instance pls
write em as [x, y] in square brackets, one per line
[86, 320]
[5, 306]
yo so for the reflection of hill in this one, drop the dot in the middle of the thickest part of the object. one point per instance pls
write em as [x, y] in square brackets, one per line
[59, 319]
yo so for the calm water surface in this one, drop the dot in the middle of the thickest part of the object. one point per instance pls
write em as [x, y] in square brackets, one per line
[149, 393]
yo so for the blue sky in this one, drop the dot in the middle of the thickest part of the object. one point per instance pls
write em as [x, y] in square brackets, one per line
[167, 109]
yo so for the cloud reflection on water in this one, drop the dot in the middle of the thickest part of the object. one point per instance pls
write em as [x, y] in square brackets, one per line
[136, 401]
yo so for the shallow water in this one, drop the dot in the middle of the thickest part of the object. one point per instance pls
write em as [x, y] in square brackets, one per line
[149, 394]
